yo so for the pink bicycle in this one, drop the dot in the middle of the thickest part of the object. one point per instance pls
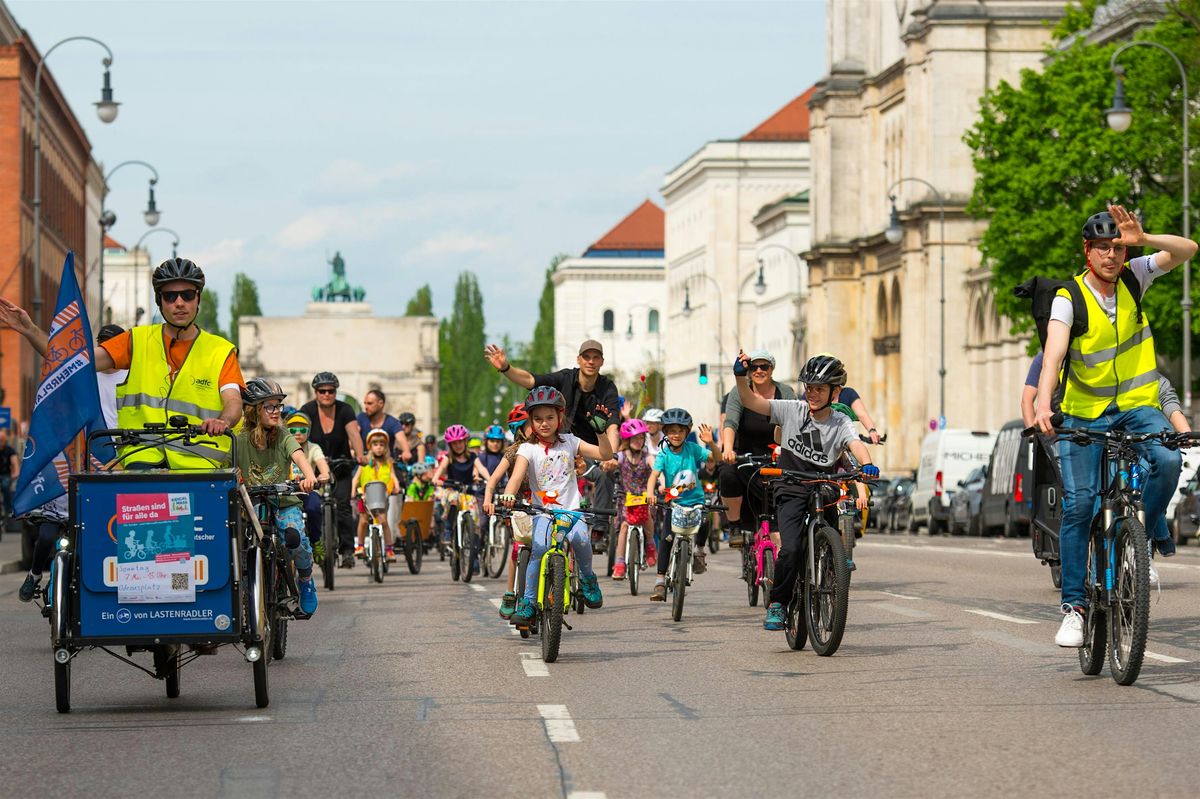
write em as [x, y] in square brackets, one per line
[758, 552]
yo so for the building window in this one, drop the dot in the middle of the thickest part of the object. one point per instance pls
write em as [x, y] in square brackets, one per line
[608, 321]
[652, 321]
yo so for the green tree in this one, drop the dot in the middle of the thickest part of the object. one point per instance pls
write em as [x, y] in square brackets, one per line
[466, 382]
[1045, 160]
[244, 303]
[421, 304]
[539, 355]
[206, 318]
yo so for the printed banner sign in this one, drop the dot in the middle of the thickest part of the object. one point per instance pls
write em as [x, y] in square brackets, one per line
[156, 542]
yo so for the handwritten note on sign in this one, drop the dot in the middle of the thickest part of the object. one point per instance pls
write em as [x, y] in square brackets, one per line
[156, 541]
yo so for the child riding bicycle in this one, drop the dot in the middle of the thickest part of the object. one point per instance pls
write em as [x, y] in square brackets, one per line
[678, 456]
[378, 468]
[635, 464]
[421, 488]
[813, 438]
[298, 424]
[548, 461]
[521, 429]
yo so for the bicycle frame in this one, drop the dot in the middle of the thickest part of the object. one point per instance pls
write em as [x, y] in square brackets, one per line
[562, 524]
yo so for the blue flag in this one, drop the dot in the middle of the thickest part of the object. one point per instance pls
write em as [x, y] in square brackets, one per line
[67, 402]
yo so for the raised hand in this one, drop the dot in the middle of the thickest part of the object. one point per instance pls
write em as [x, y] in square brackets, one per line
[1132, 234]
[496, 356]
[14, 316]
[741, 364]
[705, 433]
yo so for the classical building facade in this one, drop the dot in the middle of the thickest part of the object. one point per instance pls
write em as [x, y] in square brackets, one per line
[903, 86]
[130, 294]
[72, 188]
[338, 336]
[730, 205]
[614, 293]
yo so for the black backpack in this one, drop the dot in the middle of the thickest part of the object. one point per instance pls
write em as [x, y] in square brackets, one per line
[1041, 291]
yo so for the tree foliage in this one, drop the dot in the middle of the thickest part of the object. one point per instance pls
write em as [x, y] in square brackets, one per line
[206, 317]
[539, 355]
[1045, 160]
[467, 382]
[244, 302]
[421, 303]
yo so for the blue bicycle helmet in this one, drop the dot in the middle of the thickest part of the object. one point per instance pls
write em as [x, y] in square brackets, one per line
[494, 433]
[676, 416]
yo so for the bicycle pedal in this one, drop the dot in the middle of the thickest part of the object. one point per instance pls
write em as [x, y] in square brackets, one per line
[569, 627]
[300, 615]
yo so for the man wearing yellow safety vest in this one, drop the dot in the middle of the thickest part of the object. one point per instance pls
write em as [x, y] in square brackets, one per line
[175, 369]
[1111, 384]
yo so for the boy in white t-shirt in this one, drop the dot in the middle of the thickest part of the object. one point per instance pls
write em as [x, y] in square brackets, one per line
[548, 460]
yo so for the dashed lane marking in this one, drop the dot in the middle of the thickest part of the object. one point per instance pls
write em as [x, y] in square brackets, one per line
[477, 587]
[586, 795]
[559, 726]
[1164, 658]
[899, 596]
[999, 616]
[533, 664]
[496, 602]
[952, 550]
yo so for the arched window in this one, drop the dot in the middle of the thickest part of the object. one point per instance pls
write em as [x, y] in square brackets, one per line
[608, 321]
[652, 321]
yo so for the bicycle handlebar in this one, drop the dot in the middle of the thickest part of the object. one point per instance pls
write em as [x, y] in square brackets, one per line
[797, 475]
[867, 439]
[289, 489]
[529, 507]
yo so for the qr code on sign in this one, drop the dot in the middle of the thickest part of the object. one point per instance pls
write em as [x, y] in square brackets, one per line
[179, 582]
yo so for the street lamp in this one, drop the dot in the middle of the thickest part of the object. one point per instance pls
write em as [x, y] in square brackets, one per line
[894, 234]
[686, 310]
[151, 214]
[147, 234]
[1120, 117]
[760, 288]
[106, 109]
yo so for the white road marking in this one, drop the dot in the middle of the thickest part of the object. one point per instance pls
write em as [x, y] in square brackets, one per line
[532, 663]
[476, 587]
[953, 550]
[1000, 616]
[901, 610]
[1163, 658]
[899, 596]
[1016, 642]
[559, 727]
[586, 795]
[496, 602]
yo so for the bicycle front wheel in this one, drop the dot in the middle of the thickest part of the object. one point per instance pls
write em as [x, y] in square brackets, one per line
[1095, 623]
[413, 549]
[1129, 614]
[329, 535]
[552, 607]
[633, 558]
[466, 549]
[683, 556]
[826, 591]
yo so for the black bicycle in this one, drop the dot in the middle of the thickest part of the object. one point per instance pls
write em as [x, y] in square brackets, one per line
[464, 529]
[283, 593]
[329, 524]
[1117, 576]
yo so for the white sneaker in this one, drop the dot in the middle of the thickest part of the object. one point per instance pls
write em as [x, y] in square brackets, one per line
[1070, 633]
[1153, 576]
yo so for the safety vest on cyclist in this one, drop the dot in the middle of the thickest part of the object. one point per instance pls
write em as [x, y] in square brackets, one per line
[375, 471]
[148, 395]
[1110, 363]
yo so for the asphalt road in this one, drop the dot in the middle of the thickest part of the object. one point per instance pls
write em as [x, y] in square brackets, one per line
[947, 683]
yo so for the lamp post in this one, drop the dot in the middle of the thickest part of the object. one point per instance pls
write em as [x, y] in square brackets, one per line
[106, 110]
[894, 235]
[687, 312]
[1120, 117]
[174, 252]
[151, 215]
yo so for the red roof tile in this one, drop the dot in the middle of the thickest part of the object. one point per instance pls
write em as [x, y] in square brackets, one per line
[789, 123]
[644, 229]
[112, 244]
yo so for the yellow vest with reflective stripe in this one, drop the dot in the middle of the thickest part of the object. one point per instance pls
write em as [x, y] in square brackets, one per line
[148, 395]
[1110, 362]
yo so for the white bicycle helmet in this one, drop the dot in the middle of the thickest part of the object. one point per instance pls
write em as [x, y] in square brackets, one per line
[652, 415]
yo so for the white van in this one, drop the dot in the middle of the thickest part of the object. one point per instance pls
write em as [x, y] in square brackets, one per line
[947, 456]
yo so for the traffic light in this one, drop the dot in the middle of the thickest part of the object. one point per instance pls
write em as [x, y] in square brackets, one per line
[704, 374]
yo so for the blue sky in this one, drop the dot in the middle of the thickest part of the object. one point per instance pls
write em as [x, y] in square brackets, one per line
[419, 139]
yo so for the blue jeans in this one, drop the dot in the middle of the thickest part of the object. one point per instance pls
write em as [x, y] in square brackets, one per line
[581, 544]
[290, 522]
[1081, 484]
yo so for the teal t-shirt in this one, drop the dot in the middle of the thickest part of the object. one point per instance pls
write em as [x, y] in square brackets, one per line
[691, 456]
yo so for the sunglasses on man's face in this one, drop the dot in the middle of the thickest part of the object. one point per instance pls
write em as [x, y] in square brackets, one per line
[760, 367]
[187, 294]
[298, 431]
[326, 390]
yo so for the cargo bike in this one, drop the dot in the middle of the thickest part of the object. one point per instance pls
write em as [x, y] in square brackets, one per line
[176, 564]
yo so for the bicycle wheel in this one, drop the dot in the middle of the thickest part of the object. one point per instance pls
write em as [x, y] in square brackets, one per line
[62, 686]
[167, 661]
[552, 609]
[750, 574]
[522, 565]
[768, 575]
[378, 556]
[714, 535]
[1129, 617]
[1095, 622]
[826, 592]
[682, 556]
[633, 559]
[413, 550]
[795, 628]
[610, 547]
[466, 548]
[329, 536]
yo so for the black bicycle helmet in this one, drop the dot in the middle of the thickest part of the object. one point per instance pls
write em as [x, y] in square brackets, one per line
[823, 370]
[407, 418]
[107, 332]
[325, 379]
[177, 269]
[1100, 227]
[676, 416]
[545, 395]
[261, 389]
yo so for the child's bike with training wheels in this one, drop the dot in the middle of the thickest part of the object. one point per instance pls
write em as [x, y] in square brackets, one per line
[375, 500]
[759, 552]
[819, 603]
[683, 521]
[555, 595]
[636, 515]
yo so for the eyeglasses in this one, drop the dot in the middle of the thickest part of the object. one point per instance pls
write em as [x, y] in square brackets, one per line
[760, 367]
[326, 390]
[298, 431]
[187, 294]
[272, 408]
[1103, 247]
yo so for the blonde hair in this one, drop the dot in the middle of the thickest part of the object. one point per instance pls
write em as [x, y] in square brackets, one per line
[260, 437]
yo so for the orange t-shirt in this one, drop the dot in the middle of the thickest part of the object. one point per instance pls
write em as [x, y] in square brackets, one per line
[120, 349]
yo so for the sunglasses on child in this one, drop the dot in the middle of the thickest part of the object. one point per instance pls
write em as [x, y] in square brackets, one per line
[187, 294]
[298, 431]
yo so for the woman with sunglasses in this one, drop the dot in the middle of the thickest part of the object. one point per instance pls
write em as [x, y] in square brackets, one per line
[335, 429]
[195, 371]
[746, 432]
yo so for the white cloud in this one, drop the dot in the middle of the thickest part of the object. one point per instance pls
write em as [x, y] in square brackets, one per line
[225, 252]
[341, 222]
[348, 176]
[456, 243]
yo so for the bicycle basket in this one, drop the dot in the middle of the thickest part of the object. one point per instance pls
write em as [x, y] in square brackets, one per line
[375, 496]
[522, 527]
[686, 519]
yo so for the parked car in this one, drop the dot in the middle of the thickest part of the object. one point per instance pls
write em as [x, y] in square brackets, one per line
[1187, 478]
[947, 456]
[894, 508]
[1006, 507]
[964, 505]
[1185, 521]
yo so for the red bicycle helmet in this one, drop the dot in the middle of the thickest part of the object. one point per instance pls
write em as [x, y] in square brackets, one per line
[456, 432]
[518, 414]
[545, 395]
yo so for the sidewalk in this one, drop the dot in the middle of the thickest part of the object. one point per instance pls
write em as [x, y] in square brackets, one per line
[10, 551]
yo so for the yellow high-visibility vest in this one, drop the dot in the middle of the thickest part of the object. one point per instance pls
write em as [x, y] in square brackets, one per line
[1110, 362]
[149, 395]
